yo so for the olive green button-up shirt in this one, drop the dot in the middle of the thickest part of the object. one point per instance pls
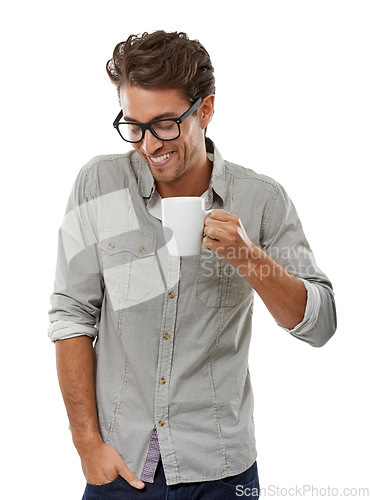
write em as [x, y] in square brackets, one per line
[173, 333]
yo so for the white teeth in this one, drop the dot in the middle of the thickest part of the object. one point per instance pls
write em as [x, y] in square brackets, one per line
[158, 159]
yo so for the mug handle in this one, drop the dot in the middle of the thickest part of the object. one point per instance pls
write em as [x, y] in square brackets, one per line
[207, 212]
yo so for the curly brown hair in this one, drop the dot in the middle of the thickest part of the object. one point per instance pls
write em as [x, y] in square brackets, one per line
[163, 60]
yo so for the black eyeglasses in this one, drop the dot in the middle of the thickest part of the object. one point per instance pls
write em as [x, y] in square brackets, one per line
[166, 129]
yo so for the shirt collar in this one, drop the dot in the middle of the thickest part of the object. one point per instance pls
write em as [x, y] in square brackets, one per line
[146, 182]
[218, 181]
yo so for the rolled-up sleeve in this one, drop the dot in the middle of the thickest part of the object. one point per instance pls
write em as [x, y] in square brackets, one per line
[78, 287]
[282, 237]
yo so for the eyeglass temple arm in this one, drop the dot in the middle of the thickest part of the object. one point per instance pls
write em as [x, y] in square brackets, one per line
[183, 117]
[119, 116]
[191, 110]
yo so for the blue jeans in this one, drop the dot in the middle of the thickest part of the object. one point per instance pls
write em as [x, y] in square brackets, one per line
[244, 485]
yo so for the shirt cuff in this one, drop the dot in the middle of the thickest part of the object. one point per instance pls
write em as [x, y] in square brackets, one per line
[60, 330]
[311, 312]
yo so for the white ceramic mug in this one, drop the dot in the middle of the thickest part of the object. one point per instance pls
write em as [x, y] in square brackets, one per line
[183, 217]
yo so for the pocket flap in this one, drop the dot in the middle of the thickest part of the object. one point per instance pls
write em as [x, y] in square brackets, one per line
[139, 243]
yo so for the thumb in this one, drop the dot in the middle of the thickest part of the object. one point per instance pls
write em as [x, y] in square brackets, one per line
[129, 476]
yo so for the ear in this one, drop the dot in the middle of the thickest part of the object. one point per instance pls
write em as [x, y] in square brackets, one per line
[206, 110]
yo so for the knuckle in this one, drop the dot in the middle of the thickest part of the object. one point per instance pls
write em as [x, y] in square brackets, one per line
[235, 233]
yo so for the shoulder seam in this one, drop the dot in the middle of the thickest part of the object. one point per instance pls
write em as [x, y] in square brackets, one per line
[104, 158]
[250, 176]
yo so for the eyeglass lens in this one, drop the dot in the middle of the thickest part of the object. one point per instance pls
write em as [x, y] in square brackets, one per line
[165, 129]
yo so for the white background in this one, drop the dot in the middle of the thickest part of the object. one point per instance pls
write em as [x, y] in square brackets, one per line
[292, 102]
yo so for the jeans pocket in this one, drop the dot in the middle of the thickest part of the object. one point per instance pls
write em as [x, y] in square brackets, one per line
[106, 485]
[245, 484]
[106, 491]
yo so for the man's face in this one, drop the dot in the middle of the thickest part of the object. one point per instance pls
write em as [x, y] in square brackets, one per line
[167, 160]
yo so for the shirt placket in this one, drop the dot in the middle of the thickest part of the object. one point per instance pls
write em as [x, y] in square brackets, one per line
[162, 399]
[160, 442]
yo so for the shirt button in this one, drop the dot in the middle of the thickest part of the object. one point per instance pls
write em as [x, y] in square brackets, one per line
[166, 336]
[142, 249]
[171, 295]
[161, 423]
[111, 246]
[163, 381]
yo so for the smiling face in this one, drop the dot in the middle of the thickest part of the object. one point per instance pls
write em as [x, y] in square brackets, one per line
[178, 166]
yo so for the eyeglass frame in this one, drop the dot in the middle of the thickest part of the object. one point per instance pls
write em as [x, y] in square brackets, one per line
[148, 125]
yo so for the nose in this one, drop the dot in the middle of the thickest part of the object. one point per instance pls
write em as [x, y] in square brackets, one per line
[150, 143]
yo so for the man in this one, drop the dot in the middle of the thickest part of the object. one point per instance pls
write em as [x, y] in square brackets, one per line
[152, 349]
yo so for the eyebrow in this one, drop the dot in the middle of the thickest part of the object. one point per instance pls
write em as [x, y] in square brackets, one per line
[158, 117]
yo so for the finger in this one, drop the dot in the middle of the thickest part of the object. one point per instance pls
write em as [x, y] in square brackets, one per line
[130, 477]
[221, 215]
[211, 243]
[207, 242]
[214, 232]
[214, 245]
[222, 231]
[210, 224]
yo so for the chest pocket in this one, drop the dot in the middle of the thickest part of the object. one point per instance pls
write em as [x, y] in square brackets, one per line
[219, 284]
[128, 262]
